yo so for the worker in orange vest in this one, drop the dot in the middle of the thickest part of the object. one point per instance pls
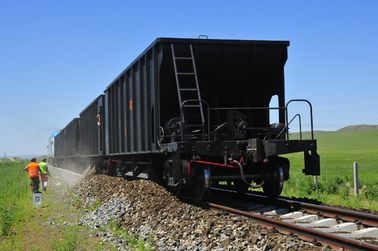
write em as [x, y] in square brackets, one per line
[34, 170]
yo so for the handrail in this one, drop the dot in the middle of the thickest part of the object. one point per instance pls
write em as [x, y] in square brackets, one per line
[250, 108]
[287, 127]
[246, 108]
[183, 119]
[311, 117]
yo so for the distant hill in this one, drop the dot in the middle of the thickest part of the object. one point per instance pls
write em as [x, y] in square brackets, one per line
[349, 138]
[10, 159]
[29, 156]
[358, 128]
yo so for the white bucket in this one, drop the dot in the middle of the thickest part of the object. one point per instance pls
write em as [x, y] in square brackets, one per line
[37, 199]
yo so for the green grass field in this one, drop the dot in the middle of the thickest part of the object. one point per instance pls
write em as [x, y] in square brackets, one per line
[14, 202]
[54, 225]
[338, 150]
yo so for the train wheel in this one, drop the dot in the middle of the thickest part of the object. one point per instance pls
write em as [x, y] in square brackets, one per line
[181, 188]
[173, 177]
[273, 185]
[110, 168]
[201, 190]
[241, 187]
[98, 169]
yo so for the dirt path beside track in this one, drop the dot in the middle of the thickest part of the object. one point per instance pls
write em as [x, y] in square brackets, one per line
[54, 225]
[63, 177]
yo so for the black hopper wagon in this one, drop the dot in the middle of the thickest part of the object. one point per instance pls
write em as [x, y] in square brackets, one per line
[192, 112]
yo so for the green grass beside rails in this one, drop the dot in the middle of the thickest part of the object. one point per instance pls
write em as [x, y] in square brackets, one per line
[338, 150]
[132, 241]
[14, 196]
[68, 241]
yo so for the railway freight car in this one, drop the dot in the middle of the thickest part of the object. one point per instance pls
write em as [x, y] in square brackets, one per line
[191, 112]
[66, 146]
[50, 148]
[91, 132]
[80, 143]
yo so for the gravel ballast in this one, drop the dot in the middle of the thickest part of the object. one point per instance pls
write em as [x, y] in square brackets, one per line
[149, 212]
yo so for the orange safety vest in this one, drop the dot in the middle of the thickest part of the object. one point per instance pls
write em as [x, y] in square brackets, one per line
[33, 169]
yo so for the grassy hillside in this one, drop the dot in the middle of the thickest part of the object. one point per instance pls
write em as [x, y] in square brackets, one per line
[338, 150]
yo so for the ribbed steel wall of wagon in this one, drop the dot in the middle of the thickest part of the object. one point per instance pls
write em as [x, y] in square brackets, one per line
[132, 107]
[59, 145]
[71, 138]
[90, 128]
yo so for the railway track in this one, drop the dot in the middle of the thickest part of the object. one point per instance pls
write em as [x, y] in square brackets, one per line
[310, 222]
[365, 219]
[336, 227]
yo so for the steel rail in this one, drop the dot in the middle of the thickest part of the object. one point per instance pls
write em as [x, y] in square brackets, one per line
[304, 233]
[366, 219]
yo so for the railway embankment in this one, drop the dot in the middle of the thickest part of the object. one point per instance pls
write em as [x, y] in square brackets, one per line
[126, 213]
[100, 212]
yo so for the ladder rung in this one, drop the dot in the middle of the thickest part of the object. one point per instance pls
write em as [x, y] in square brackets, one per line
[183, 58]
[193, 125]
[191, 106]
[185, 73]
[188, 89]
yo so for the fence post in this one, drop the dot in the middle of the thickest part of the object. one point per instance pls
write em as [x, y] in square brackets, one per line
[355, 178]
[316, 183]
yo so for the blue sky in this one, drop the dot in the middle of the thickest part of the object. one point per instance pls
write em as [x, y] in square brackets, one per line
[57, 56]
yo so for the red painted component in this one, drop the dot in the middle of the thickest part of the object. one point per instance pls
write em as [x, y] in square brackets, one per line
[188, 167]
[213, 164]
[241, 161]
[113, 162]
[208, 163]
